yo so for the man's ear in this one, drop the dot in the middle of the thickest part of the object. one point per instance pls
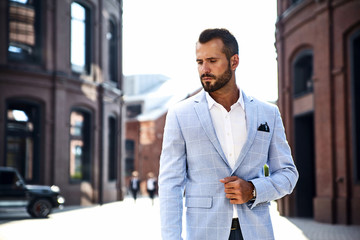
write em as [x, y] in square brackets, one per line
[234, 62]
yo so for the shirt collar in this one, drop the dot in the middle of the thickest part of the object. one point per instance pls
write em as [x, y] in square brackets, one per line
[211, 101]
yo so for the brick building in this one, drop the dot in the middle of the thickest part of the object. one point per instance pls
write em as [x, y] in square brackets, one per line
[60, 95]
[318, 45]
[147, 99]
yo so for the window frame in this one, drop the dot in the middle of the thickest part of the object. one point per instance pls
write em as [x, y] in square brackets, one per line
[86, 69]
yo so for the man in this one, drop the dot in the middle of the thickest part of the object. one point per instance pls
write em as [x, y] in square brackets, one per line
[151, 186]
[215, 146]
[134, 184]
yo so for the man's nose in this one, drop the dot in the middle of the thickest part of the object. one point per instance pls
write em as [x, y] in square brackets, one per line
[205, 68]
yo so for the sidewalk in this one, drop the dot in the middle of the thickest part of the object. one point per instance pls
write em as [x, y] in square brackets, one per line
[128, 220]
[308, 229]
[284, 228]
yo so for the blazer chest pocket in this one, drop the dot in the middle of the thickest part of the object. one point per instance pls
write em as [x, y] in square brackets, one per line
[198, 202]
[262, 137]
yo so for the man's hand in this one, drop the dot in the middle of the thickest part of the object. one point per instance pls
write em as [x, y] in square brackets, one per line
[237, 190]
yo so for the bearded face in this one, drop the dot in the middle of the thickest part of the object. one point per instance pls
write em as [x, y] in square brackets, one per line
[218, 82]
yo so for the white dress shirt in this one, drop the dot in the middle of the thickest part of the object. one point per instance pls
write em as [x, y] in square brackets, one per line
[230, 128]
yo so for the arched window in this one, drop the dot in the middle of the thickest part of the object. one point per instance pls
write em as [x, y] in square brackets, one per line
[112, 51]
[80, 135]
[355, 88]
[24, 31]
[302, 70]
[80, 38]
[23, 138]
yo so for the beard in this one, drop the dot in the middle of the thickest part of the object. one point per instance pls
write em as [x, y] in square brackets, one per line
[220, 81]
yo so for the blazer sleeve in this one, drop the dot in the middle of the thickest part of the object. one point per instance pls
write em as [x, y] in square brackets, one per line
[283, 174]
[172, 177]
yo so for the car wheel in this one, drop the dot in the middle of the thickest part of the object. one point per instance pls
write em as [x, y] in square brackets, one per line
[40, 208]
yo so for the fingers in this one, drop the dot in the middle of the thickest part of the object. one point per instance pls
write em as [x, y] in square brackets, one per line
[228, 179]
[236, 189]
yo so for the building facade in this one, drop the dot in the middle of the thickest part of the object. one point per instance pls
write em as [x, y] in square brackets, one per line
[318, 46]
[61, 95]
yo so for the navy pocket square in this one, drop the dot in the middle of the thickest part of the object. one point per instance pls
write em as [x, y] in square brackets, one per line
[264, 127]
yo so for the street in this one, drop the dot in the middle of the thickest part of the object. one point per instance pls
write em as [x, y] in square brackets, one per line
[127, 220]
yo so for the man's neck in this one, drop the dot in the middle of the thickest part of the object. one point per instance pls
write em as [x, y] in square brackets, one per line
[226, 96]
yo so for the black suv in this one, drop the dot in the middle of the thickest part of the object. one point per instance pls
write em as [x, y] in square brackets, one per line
[38, 200]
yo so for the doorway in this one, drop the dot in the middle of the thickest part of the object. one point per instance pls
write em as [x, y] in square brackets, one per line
[305, 163]
[355, 100]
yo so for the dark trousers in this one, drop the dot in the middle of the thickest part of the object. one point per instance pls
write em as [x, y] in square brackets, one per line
[134, 193]
[236, 233]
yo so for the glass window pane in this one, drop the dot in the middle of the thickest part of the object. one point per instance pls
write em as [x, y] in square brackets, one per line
[17, 115]
[112, 45]
[76, 159]
[80, 167]
[24, 30]
[77, 11]
[20, 155]
[77, 123]
[78, 38]
[78, 43]
[303, 73]
[20, 1]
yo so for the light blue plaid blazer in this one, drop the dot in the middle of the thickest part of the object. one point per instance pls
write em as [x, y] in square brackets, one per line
[192, 163]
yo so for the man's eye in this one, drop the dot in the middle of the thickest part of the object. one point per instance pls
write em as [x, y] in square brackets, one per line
[212, 60]
[199, 62]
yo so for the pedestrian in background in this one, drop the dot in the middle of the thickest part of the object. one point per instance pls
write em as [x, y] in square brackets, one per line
[134, 184]
[215, 146]
[151, 186]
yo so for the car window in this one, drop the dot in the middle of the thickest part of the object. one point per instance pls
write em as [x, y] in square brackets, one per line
[8, 179]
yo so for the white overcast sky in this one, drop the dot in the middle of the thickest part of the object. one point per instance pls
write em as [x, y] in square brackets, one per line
[159, 37]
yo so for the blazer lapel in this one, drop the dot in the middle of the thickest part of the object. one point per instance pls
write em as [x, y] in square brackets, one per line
[251, 114]
[202, 110]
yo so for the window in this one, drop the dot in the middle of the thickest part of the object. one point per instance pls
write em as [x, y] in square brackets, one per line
[129, 157]
[80, 163]
[302, 73]
[80, 38]
[133, 110]
[8, 179]
[112, 149]
[24, 31]
[113, 51]
[22, 138]
[355, 88]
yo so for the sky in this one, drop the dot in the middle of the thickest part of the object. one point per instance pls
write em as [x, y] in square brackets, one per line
[159, 37]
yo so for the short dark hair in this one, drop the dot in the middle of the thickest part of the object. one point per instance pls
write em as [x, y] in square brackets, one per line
[230, 44]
